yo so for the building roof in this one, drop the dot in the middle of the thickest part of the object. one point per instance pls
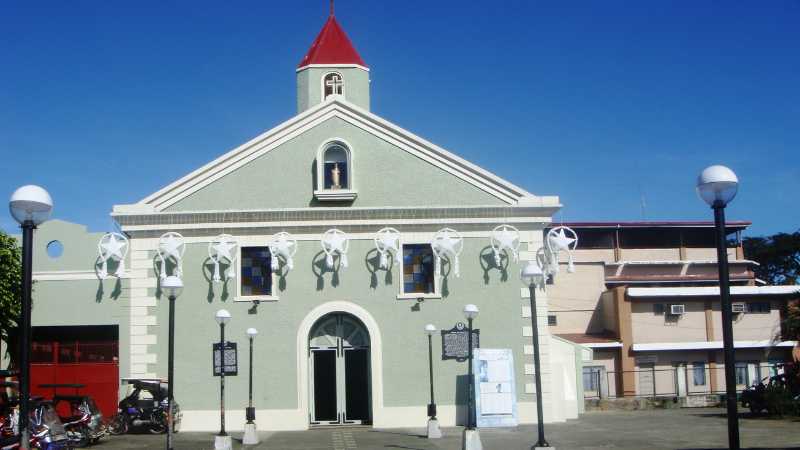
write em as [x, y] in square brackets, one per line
[710, 291]
[332, 46]
[605, 340]
[656, 224]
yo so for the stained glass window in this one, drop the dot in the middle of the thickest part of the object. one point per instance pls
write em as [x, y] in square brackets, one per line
[256, 271]
[418, 269]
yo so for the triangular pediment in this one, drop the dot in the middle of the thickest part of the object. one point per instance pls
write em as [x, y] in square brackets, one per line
[445, 170]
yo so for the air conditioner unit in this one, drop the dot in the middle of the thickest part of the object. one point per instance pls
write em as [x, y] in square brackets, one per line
[676, 310]
[737, 307]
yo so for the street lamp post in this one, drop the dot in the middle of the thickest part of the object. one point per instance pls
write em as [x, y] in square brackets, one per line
[717, 186]
[472, 438]
[30, 206]
[532, 276]
[222, 441]
[250, 433]
[434, 432]
[172, 287]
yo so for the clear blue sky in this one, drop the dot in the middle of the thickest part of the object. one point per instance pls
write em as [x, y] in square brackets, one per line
[601, 103]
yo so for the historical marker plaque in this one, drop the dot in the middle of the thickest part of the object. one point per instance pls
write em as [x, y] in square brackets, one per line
[455, 342]
[230, 359]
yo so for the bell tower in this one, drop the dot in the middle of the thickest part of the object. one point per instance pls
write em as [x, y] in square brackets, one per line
[332, 67]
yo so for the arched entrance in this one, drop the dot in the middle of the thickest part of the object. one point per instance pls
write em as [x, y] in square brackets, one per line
[339, 369]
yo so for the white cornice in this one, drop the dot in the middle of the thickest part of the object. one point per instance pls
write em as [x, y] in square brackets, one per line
[324, 224]
[708, 345]
[602, 344]
[339, 108]
[64, 275]
[332, 66]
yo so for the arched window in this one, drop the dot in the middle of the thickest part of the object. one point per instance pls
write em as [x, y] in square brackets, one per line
[333, 84]
[336, 168]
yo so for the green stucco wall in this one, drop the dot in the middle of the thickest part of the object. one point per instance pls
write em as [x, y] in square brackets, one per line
[80, 246]
[405, 376]
[383, 174]
[309, 86]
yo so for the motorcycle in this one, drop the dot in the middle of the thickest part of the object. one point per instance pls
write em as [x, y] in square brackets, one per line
[84, 425]
[145, 407]
[47, 432]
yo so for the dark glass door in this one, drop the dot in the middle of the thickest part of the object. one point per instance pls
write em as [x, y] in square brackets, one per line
[356, 370]
[325, 399]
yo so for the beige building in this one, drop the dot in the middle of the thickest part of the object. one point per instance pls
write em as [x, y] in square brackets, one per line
[645, 297]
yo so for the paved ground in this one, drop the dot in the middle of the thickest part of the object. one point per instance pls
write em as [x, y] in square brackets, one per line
[663, 429]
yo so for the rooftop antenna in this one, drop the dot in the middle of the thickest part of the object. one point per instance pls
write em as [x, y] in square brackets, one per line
[642, 202]
[331, 8]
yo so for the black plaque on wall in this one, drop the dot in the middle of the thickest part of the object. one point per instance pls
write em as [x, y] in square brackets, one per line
[455, 342]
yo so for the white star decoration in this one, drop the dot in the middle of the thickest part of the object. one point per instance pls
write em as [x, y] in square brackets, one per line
[222, 247]
[335, 241]
[558, 241]
[112, 246]
[282, 245]
[387, 240]
[505, 237]
[448, 242]
[171, 245]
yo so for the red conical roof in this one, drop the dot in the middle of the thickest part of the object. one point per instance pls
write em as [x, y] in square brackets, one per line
[332, 46]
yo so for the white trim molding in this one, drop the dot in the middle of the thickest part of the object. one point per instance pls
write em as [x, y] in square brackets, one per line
[602, 344]
[710, 291]
[708, 345]
[65, 275]
[332, 66]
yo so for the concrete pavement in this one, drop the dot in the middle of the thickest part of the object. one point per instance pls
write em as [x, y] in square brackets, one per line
[687, 429]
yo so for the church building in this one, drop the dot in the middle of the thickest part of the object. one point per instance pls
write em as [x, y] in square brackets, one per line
[305, 234]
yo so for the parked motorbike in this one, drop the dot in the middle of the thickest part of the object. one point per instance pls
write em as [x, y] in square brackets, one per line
[84, 425]
[47, 432]
[774, 394]
[145, 407]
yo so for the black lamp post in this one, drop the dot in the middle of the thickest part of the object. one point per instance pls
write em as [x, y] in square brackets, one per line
[470, 312]
[430, 330]
[222, 441]
[250, 434]
[30, 206]
[434, 432]
[717, 186]
[172, 287]
[251, 412]
[532, 276]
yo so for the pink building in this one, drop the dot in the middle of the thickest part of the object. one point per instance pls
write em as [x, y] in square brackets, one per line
[645, 297]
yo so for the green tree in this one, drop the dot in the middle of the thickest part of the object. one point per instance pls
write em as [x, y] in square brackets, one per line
[778, 256]
[10, 290]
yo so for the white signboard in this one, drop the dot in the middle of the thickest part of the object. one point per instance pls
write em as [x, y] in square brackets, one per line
[495, 388]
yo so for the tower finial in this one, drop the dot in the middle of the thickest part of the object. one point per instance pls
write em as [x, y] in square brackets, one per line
[331, 8]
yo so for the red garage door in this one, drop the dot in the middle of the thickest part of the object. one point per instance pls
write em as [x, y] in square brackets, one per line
[77, 355]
